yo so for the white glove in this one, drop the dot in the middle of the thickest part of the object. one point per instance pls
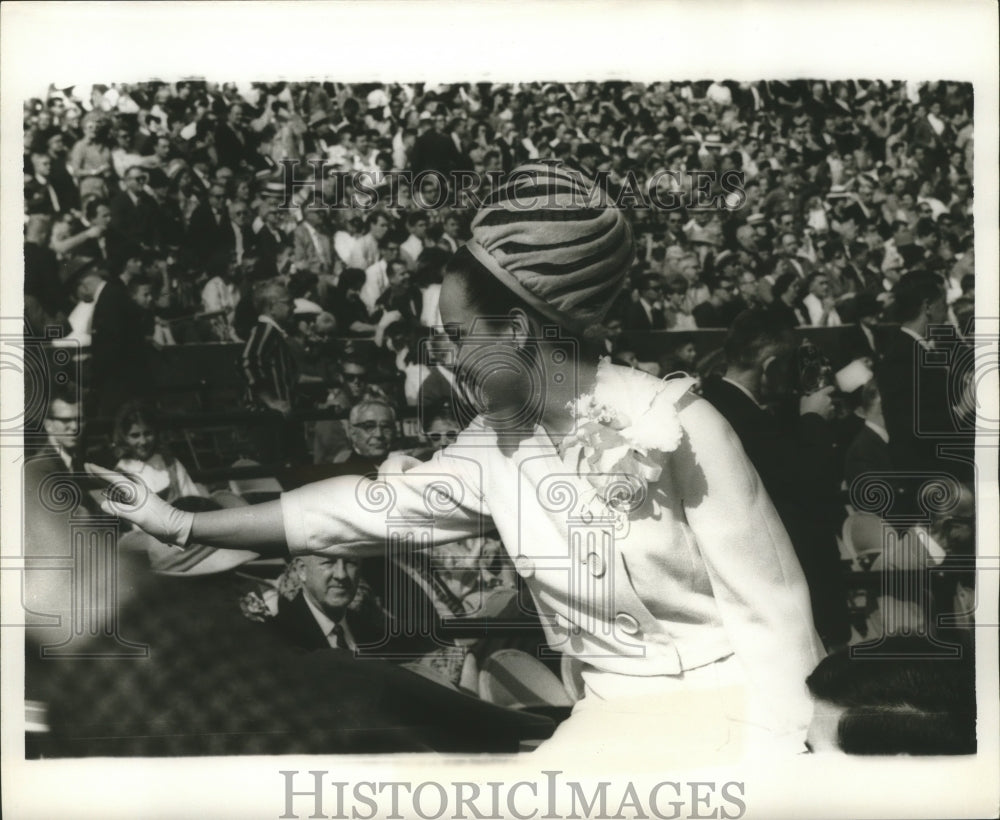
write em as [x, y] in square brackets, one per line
[131, 499]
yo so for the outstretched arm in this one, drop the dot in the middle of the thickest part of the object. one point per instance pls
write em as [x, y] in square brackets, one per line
[258, 527]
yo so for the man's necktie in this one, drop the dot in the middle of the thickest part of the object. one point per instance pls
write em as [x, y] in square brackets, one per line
[336, 637]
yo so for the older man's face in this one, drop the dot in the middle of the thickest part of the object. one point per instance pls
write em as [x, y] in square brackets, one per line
[373, 432]
[329, 581]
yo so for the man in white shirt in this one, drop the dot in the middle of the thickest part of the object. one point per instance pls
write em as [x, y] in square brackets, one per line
[377, 275]
[819, 303]
[416, 241]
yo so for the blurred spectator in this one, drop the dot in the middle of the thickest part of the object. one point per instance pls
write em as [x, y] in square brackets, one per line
[869, 451]
[904, 701]
[313, 248]
[119, 367]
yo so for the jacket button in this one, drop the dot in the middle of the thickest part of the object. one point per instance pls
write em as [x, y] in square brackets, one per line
[626, 623]
[595, 563]
[524, 565]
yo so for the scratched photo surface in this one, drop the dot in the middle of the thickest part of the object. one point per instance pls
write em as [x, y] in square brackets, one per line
[566, 423]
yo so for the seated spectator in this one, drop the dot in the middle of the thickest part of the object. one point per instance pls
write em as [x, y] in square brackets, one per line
[136, 440]
[722, 307]
[221, 296]
[372, 432]
[400, 297]
[677, 314]
[903, 701]
[313, 247]
[327, 611]
[785, 308]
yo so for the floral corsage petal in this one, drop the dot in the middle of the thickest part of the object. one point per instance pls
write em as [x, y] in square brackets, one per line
[622, 429]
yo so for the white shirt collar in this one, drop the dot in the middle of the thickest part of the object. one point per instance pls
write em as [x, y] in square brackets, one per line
[878, 430]
[327, 624]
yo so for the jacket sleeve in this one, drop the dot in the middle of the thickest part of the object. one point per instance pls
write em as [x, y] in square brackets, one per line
[413, 504]
[756, 578]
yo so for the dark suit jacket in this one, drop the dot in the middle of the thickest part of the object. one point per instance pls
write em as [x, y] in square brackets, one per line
[230, 148]
[638, 325]
[136, 224]
[205, 235]
[118, 349]
[798, 468]
[915, 404]
[854, 344]
[299, 628]
[868, 453]
[46, 518]
[267, 248]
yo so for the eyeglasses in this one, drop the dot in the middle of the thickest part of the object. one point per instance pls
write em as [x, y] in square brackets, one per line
[354, 377]
[372, 426]
[447, 435]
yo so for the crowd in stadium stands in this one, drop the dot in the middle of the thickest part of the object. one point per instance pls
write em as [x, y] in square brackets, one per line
[159, 214]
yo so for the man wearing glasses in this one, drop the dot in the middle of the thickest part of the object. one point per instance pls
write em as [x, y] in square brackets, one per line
[134, 215]
[61, 455]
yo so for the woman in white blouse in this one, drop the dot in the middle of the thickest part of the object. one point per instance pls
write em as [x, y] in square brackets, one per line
[660, 568]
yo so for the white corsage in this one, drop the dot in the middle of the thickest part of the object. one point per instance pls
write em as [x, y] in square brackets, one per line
[622, 429]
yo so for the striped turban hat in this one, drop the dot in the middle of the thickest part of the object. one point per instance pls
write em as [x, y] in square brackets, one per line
[553, 238]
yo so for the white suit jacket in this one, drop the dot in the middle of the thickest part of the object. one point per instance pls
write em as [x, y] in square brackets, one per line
[701, 570]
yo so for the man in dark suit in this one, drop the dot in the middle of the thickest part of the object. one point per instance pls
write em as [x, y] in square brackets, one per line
[318, 616]
[869, 450]
[861, 340]
[208, 231]
[915, 391]
[646, 315]
[230, 141]
[134, 218]
[46, 522]
[118, 350]
[269, 240]
[239, 236]
[796, 463]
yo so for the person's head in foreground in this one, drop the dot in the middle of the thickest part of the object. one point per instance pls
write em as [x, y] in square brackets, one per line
[519, 301]
[901, 699]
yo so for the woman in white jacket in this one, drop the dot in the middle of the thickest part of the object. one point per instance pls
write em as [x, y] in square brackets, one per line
[661, 570]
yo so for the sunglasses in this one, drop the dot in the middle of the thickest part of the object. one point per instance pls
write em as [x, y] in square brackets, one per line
[447, 435]
[372, 426]
[354, 377]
